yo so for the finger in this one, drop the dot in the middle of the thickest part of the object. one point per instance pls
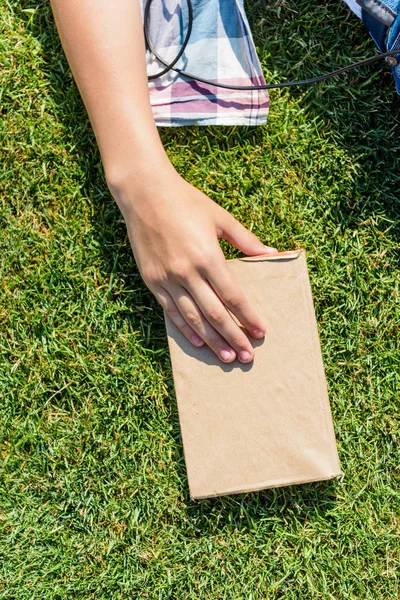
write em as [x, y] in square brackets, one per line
[219, 318]
[197, 321]
[236, 234]
[236, 301]
[168, 304]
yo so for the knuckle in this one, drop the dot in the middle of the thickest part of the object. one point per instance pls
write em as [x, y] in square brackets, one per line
[150, 278]
[235, 300]
[193, 318]
[203, 260]
[239, 343]
[173, 312]
[215, 316]
[197, 255]
[214, 341]
[185, 328]
[251, 236]
[181, 270]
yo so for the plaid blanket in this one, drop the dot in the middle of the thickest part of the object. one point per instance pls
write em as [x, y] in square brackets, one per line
[221, 48]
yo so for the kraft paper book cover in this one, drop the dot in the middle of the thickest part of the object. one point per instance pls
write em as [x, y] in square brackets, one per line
[247, 427]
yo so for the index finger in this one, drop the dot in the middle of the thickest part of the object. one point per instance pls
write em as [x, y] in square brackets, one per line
[233, 297]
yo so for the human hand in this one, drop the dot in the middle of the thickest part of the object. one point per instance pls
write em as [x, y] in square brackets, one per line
[174, 230]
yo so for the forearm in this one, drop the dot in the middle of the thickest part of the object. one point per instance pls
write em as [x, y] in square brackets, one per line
[104, 44]
[173, 227]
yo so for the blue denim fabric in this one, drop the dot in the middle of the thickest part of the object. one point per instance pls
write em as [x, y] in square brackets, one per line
[382, 19]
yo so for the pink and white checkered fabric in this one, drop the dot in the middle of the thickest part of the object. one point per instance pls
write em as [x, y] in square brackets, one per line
[221, 48]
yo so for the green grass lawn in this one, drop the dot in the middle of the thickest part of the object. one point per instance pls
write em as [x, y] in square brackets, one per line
[94, 500]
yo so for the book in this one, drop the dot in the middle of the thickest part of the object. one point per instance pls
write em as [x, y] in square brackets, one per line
[268, 423]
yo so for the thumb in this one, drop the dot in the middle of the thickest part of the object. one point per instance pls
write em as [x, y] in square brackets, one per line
[235, 233]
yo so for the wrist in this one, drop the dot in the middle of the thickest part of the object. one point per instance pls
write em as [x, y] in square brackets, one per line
[138, 185]
[130, 147]
[134, 172]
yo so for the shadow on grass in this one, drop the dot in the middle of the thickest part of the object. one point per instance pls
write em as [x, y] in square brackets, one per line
[305, 503]
[363, 121]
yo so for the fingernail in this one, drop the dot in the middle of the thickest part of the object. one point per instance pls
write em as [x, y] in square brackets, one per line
[270, 249]
[258, 333]
[197, 340]
[225, 354]
[244, 355]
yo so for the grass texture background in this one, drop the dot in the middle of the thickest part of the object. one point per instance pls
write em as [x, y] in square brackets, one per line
[93, 494]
